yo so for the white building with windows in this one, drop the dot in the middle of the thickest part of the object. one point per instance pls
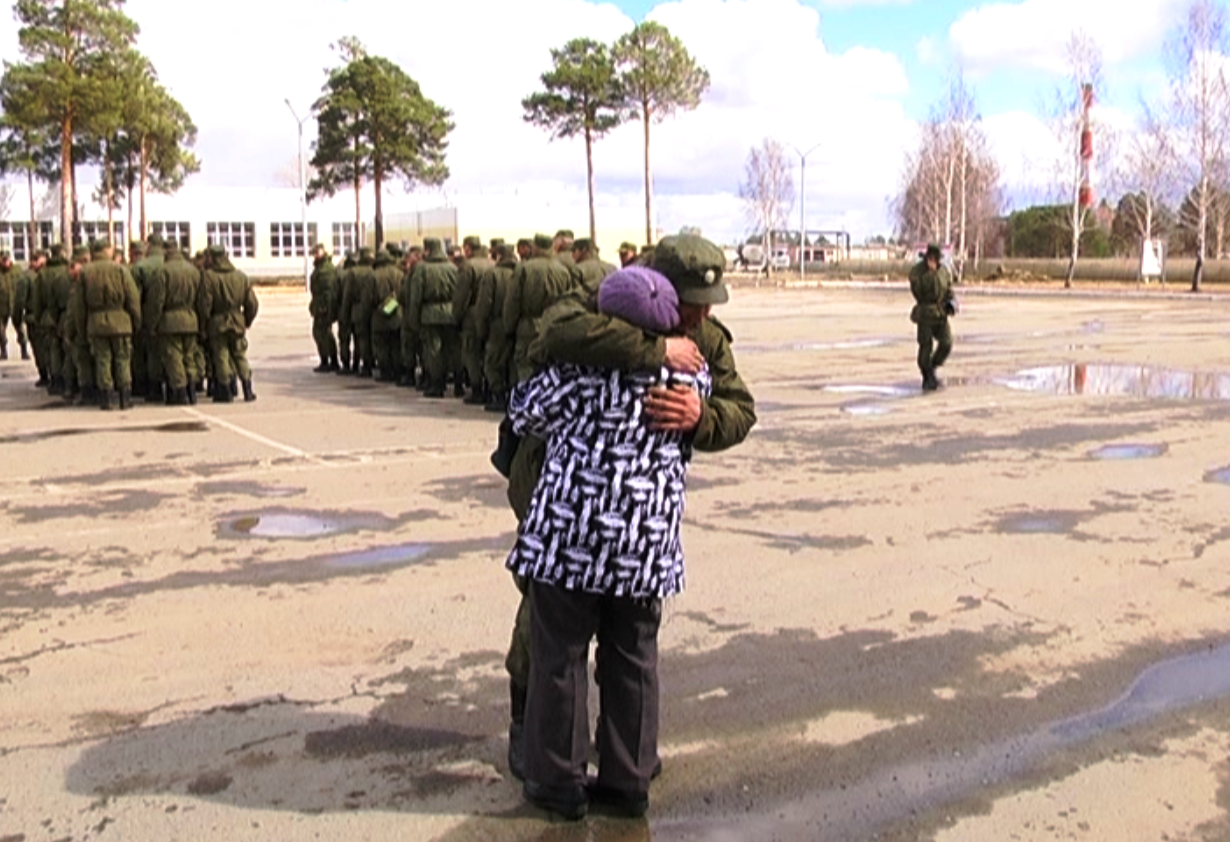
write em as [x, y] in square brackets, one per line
[264, 232]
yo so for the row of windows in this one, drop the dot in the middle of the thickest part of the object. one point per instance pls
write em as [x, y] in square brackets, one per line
[286, 239]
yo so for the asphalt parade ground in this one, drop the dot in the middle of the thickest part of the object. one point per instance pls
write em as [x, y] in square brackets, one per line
[994, 612]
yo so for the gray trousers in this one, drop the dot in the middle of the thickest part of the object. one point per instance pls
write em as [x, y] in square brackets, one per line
[557, 714]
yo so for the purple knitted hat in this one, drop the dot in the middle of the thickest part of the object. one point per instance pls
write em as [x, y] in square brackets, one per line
[641, 296]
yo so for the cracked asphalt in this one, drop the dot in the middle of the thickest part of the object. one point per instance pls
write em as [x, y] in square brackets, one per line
[286, 620]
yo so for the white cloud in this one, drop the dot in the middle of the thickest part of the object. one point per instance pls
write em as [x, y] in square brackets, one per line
[1033, 33]
[234, 62]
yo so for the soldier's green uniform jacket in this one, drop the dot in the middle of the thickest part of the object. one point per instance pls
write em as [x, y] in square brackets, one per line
[492, 293]
[465, 297]
[8, 292]
[107, 302]
[930, 289]
[592, 272]
[565, 257]
[143, 271]
[326, 292]
[55, 287]
[23, 300]
[226, 301]
[170, 297]
[345, 292]
[431, 299]
[537, 284]
[361, 280]
[385, 284]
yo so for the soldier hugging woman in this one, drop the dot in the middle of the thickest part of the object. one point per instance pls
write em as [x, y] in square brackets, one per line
[600, 548]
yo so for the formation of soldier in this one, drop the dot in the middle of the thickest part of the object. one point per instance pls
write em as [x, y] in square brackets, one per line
[161, 327]
[426, 319]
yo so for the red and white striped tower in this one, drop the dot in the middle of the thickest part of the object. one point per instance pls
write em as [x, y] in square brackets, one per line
[1086, 151]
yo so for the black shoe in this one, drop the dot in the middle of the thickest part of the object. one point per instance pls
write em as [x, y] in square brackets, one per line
[222, 393]
[248, 394]
[125, 398]
[190, 394]
[43, 381]
[88, 397]
[56, 387]
[155, 394]
[323, 368]
[475, 399]
[234, 388]
[570, 803]
[929, 383]
[516, 730]
[107, 399]
[71, 393]
[4, 352]
[25, 352]
[459, 390]
[628, 805]
[434, 392]
[405, 381]
[498, 402]
[344, 368]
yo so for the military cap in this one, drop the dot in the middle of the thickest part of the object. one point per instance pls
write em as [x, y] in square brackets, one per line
[474, 243]
[394, 250]
[542, 241]
[433, 247]
[496, 242]
[216, 250]
[525, 242]
[583, 244]
[99, 245]
[566, 233]
[81, 253]
[366, 253]
[155, 240]
[694, 265]
[505, 252]
[57, 250]
[627, 246]
[172, 247]
[415, 250]
[321, 247]
[933, 250]
[39, 254]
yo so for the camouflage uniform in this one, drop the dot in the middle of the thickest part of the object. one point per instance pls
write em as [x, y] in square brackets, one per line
[81, 351]
[345, 330]
[411, 339]
[431, 312]
[489, 318]
[385, 324]
[323, 309]
[171, 318]
[226, 306]
[537, 284]
[8, 298]
[107, 309]
[465, 299]
[362, 277]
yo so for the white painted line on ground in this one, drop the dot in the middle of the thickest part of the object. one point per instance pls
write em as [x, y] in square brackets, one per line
[256, 437]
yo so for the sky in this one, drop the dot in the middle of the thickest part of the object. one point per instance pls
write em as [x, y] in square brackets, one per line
[853, 76]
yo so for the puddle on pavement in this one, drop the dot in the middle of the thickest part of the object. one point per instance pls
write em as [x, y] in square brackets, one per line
[286, 524]
[399, 554]
[1122, 381]
[250, 489]
[864, 410]
[1116, 452]
[1221, 475]
[902, 792]
[840, 345]
[64, 432]
[1039, 523]
[869, 389]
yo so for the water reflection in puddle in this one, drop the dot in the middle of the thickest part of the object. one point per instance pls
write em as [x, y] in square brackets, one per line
[868, 389]
[1122, 381]
[381, 556]
[1221, 475]
[841, 345]
[866, 409]
[1128, 451]
[1039, 523]
[299, 524]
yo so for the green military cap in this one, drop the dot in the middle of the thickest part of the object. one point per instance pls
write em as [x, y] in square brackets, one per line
[694, 266]
[505, 252]
[172, 247]
[155, 240]
[542, 241]
[136, 247]
[475, 243]
[320, 247]
[496, 242]
[933, 250]
[99, 245]
[216, 250]
[627, 246]
[394, 250]
[583, 244]
[81, 253]
[57, 250]
[433, 247]
[525, 242]
[366, 253]
[566, 233]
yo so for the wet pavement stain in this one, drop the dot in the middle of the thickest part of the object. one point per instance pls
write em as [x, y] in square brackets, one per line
[65, 432]
[1117, 452]
[249, 489]
[289, 524]
[840, 345]
[1040, 523]
[395, 556]
[1134, 381]
[1221, 475]
[866, 410]
[871, 389]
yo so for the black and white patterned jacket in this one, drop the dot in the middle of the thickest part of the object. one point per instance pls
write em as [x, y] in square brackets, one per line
[606, 513]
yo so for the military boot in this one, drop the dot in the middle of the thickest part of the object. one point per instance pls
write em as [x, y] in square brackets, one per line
[107, 399]
[248, 394]
[71, 392]
[126, 398]
[190, 394]
[323, 368]
[25, 351]
[516, 730]
[154, 393]
[406, 381]
[43, 380]
[177, 397]
[56, 386]
[233, 386]
[221, 393]
[498, 402]
[333, 366]
[477, 397]
[4, 352]
[88, 396]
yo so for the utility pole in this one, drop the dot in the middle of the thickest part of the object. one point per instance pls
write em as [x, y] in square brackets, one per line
[803, 208]
[307, 265]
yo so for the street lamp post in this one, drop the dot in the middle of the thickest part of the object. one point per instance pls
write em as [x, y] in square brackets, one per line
[307, 270]
[803, 208]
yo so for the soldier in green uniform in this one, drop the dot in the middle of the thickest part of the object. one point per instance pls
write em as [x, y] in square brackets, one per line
[345, 330]
[627, 254]
[361, 279]
[147, 361]
[140, 380]
[931, 286]
[385, 320]
[561, 245]
[326, 300]
[591, 271]
[489, 319]
[493, 250]
[226, 306]
[537, 284]
[26, 283]
[8, 298]
[108, 311]
[473, 267]
[83, 389]
[431, 310]
[170, 312]
[48, 310]
[410, 337]
[574, 332]
[525, 248]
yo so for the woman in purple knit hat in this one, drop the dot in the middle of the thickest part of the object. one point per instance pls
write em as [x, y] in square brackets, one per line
[600, 546]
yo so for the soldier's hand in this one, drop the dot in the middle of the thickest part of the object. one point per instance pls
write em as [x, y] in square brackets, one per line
[676, 409]
[682, 355]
